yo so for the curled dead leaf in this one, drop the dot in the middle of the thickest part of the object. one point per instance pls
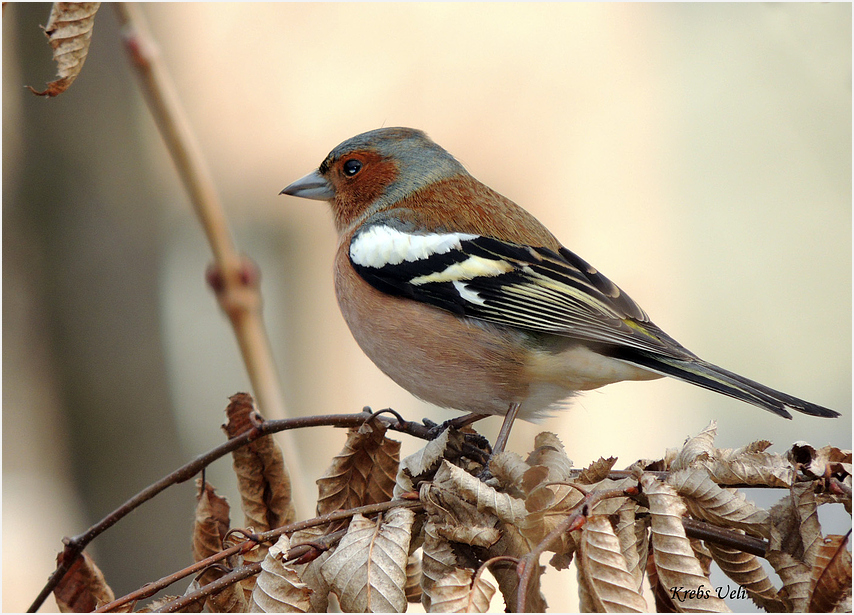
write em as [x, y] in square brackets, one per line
[279, 588]
[83, 588]
[362, 473]
[746, 570]
[459, 591]
[698, 448]
[675, 563]
[211, 522]
[482, 496]
[69, 33]
[710, 502]
[831, 574]
[610, 586]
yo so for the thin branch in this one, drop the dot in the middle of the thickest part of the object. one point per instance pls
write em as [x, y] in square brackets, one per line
[295, 552]
[74, 545]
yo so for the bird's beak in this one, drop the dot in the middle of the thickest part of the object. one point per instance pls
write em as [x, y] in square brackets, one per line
[312, 186]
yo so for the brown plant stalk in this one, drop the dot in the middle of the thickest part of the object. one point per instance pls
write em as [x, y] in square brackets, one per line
[233, 277]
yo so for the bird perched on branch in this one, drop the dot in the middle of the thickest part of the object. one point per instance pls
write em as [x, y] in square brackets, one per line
[467, 301]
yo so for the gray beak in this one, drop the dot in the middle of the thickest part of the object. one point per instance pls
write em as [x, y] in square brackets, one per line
[312, 186]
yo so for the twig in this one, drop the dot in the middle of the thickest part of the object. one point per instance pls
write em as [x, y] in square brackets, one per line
[211, 588]
[74, 546]
[296, 551]
[234, 278]
[724, 537]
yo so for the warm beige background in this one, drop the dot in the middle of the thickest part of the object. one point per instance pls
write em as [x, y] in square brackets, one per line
[699, 155]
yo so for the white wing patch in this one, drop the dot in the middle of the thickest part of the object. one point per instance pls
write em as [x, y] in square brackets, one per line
[382, 245]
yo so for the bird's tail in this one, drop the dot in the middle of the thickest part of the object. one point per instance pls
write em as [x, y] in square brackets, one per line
[718, 379]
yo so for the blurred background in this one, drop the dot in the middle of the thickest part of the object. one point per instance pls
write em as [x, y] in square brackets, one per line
[697, 154]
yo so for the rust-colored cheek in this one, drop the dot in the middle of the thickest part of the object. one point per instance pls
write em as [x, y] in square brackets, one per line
[353, 196]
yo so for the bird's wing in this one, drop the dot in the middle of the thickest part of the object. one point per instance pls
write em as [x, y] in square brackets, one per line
[531, 288]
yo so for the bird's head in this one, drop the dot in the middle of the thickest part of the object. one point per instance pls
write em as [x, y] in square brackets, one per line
[374, 170]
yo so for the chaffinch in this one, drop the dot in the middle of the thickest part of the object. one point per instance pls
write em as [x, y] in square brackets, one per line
[467, 301]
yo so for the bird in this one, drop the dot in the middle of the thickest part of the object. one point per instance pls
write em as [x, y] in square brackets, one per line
[467, 301]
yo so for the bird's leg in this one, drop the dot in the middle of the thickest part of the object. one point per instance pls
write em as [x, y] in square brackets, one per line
[504, 432]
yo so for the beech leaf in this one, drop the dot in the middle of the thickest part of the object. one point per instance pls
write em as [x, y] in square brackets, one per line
[310, 573]
[504, 506]
[698, 448]
[751, 468]
[458, 592]
[675, 563]
[69, 33]
[367, 571]
[412, 589]
[362, 473]
[746, 570]
[262, 478]
[707, 500]
[437, 560]
[279, 588]
[83, 588]
[831, 574]
[549, 452]
[610, 585]
[211, 523]
[634, 540]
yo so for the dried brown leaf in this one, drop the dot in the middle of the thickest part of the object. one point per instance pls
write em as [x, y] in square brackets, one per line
[504, 506]
[458, 592]
[211, 523]
[751, 468]
[746, 570]
[710, 502]
[423, 463]
[664, 601]
[675, 562]
[696, 449]
[476, 536]
[596, 471]
[803, 496]
[455, 519]
[785, 554]
[362, 473]
[549, 452]
[262, 478]
[209, 529]
[438, 560]
[412, 589]
[831, 574]
[818, 463]
[367, 571]
[513, 544]
[69, 33]
[634, 540]
[279, 588]
[509, 468]
[611, 586]
[310, 573]
[83, 588]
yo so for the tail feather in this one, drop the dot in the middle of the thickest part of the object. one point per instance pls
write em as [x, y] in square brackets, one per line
[728, 383]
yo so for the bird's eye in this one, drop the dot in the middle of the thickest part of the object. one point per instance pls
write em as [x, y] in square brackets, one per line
[351, 167]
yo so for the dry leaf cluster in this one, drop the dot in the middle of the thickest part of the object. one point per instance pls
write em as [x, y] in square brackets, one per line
[428, 528]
